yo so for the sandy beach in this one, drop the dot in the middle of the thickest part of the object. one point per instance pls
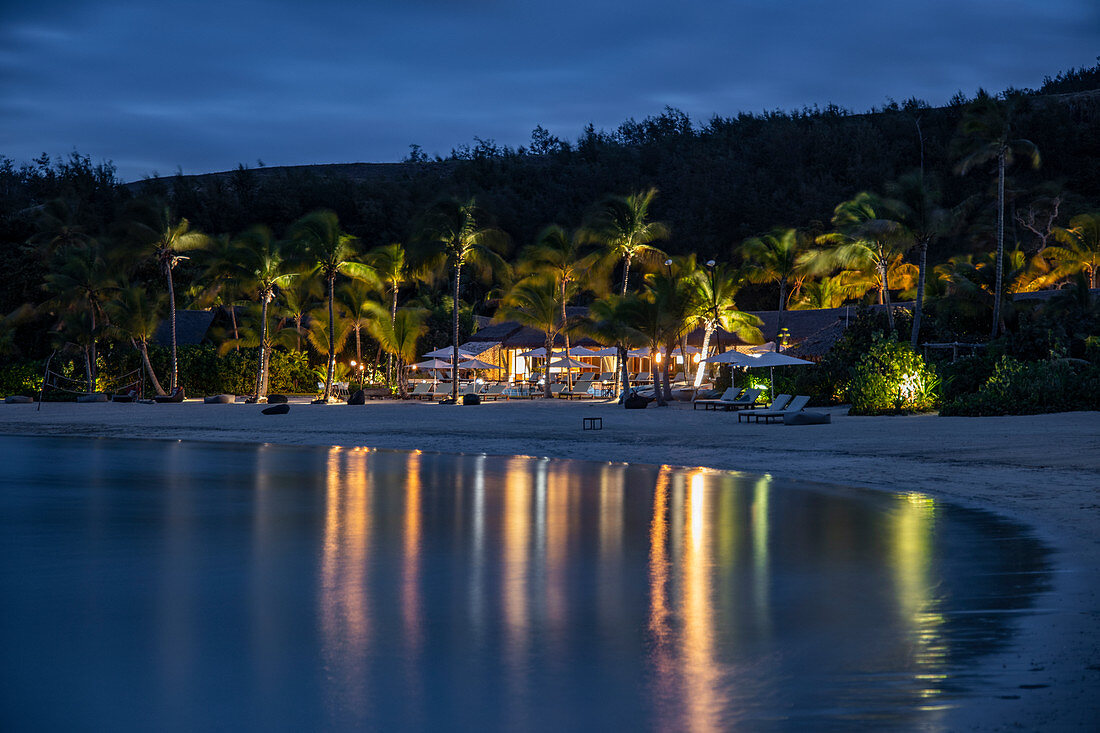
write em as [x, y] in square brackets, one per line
[1042, 471]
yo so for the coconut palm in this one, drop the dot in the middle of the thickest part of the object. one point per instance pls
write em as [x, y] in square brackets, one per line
[455, 236]
[916, 202]
[391, 265]
[159, 234]
[259, 266]
[135, 314]
[220, 283]
[358, 308]
[988, 127]
[295, 302]
[533, 302]
[610, 321]
[621, 226]
[713, 299]
[81, 280]
[399, 337]
[1079, 250]
[829, 292]
[867, 239]
[562, 256]
[673, 316]
[649, 314]
[327, 250]
[777, 257]
[58, 228]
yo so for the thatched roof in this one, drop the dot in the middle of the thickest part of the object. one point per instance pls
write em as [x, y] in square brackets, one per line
[192, 328]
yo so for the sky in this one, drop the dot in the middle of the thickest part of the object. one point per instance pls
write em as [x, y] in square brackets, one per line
[203, 85]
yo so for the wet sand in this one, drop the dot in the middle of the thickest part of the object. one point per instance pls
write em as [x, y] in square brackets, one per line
[1042, 471]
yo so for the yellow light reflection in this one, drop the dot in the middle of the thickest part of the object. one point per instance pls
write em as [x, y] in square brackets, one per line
[702, 700]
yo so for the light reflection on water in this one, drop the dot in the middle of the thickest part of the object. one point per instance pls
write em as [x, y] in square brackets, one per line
[341, 588]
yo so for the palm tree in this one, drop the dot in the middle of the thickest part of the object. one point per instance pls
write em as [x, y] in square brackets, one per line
[58, 227]
[828, 292]
[328, 338]
[610, 321]
[399, 337]
[296, 300]
[454, 235]
[916, 201]
[166, 239]
[1080, 249]
[135, 313]
[82, 280]
[713, 299]
[621, 226]
[391, 265]
[328, 251]
[648, 313]
[358, 308]
[261, 266]
[988, 126]
[671, 292]
[778, 258]
[561, 256]
[866, 239]
[533, 302]
[220, 284]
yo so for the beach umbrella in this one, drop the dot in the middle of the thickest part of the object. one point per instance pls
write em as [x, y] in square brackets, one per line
[770, 359]
[476, 364]
[432, 364]
[606, 351]
[582, 351]
[568, 364]
[448, 351]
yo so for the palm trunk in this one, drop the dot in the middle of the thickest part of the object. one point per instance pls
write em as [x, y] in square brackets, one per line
[707, 331]
[626, 272]
[997, 282]
[454, 334]
[142, 349]
[233, 320]
[261, 367]
[298, 330]
[624, 374]
[88, 370]
[918, 306]
[886, 295]
[91, 347]
[172, 323]
[330, 374]
[389, 357]
[549, 350]
[655, 377]
[779, 316]
[565, 332]
[664, 373]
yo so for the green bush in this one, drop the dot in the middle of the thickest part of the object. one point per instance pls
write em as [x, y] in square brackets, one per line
[1031, 387]
[891, 378]
[965, 375]
[21, 378]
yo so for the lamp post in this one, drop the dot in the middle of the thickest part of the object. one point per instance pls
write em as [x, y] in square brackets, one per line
[668, 264]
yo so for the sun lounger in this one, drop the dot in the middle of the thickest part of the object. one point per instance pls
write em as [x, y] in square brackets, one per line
[580, 388]
[776, 409]
[556, 390]
[729, 395]
[494, 391]
[422, 390]
[175, 397]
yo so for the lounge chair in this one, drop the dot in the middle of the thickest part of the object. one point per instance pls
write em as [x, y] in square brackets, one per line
[796, 405]
[580, 388]
[177, 396]
[780, 402]
[422, 390]
[494, 391]
[729, 395]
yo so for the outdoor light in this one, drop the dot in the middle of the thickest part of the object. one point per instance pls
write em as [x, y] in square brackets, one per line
[711, 263]
[695, 357]
[352, 362]
[658, 356]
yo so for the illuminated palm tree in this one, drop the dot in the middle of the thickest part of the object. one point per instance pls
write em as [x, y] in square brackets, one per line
[561, 256]
[136, 313]
[261, 267]
[1079, 250]
[455, 236]
[399, 337]
[163, 237]
[778, 258]
[81, 280]
[296, 300]
[358, 308]
[713, 298]
[988, 126]
[328, 251]
[622, 227]
[866, 239]
[391, 265]
[533, 302]
[828, 292]
[610, 321]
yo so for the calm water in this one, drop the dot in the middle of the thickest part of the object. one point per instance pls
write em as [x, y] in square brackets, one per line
[194, 586]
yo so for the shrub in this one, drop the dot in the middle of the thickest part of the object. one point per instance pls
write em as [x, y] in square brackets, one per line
[21, 378]
[891, 378]
[1027, 388]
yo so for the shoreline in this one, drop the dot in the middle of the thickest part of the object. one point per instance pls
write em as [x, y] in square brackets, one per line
[1040, 471]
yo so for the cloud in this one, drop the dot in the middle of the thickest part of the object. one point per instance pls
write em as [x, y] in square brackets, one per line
[204, 85]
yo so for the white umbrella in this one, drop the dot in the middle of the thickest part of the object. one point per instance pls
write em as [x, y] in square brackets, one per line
[448, 351]
[606, 351]
[582, 351]
[536, 353]
[763, 359]
[642, 352]
[432, 364]
[475, 364]
[568, 363]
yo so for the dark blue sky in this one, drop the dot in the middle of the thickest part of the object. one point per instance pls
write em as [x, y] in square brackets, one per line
[204, 85]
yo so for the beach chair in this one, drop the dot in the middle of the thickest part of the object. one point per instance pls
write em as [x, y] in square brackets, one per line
[780, 402]
[747, 400]
[494, 391]
[556, 390]
[796, 405]
[421, 390]
[580, 388]
[729, 395]
[680, 378]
